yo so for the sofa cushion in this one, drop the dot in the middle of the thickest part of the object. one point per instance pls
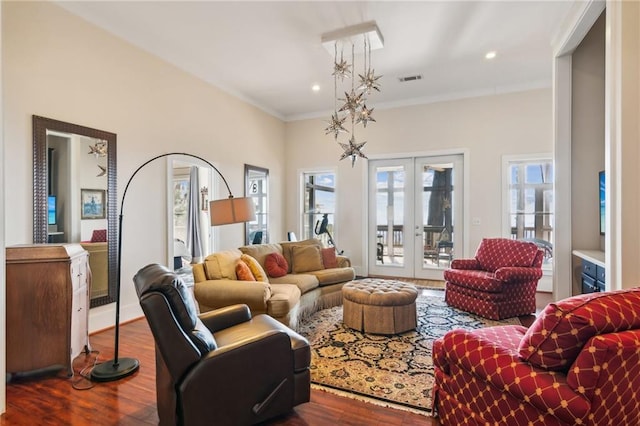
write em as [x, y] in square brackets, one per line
[243, 272]
[494, 253]
[276, 265]
[256, 269]
[329, 259]
[260, 251]
[287, 248]
[306, 258]
[284, 298]
[334, 275]
[557, 336]
[478, 280]
[305, 282]
[222, 265]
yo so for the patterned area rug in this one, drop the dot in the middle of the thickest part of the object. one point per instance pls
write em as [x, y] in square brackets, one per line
[396, 370]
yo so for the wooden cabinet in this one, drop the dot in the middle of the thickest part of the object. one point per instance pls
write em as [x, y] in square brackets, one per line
[592, 276]
[47, 296]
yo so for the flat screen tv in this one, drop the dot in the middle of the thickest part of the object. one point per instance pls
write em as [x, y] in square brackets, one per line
[601, 196]
[51, 210]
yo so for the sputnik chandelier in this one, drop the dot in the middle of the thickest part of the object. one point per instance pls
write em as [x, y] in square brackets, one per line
[357, 38]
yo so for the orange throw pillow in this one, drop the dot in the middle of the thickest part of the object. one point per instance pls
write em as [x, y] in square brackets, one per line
[329, 259]
[243, 272]
[276, 265]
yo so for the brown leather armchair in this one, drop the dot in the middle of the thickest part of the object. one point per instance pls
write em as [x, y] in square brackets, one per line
[222, 367]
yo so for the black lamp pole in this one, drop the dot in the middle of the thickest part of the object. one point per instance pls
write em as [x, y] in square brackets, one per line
[118, 368]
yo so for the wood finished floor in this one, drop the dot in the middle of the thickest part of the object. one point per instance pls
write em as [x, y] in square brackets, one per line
[52, 400]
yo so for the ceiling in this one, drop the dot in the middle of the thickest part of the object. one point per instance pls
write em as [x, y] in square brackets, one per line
[270, 53]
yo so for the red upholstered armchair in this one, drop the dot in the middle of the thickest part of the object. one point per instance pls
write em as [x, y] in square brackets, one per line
[578, 364]
[499, 282]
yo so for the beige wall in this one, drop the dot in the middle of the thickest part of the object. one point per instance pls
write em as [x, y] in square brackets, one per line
[486, 127]
[58, 66]
[587, 136]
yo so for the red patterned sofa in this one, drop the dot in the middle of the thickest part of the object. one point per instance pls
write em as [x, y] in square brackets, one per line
[578, 364]
[499, 282]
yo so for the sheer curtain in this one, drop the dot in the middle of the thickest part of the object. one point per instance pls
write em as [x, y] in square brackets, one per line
[194, 233]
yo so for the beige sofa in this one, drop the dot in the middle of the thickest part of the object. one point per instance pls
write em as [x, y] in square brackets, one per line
[289, 299]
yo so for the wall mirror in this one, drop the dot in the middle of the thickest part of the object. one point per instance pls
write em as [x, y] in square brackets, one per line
[74, 196]
[256, 186]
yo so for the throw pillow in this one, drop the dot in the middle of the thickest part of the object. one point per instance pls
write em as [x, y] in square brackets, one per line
[276, 265]
[329, 259]
[287, 248]
[557, 336]
[495, 253]
[243, 272]
[255, 267]
[306, 259]
[99, 236]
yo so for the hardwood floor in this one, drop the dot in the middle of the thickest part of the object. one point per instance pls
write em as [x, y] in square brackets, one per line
[54, 399]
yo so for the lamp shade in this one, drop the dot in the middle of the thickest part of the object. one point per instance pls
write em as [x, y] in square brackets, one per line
[232, 210]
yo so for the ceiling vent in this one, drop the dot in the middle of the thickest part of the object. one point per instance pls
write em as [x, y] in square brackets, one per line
[410, 78]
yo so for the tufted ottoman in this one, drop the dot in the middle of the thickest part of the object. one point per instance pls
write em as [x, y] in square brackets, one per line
[379, 306]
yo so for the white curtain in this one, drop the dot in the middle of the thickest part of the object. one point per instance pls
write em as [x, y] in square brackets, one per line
[194, 233]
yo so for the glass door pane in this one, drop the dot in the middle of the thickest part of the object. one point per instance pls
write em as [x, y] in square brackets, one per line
[438, 214]
[390, 217]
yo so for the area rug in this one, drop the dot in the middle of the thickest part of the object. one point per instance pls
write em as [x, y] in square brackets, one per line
[395, 370]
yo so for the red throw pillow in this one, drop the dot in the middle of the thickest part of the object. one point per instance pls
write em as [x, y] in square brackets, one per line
[276, 265]
[243, 272]
[99, 236]
[329, 259]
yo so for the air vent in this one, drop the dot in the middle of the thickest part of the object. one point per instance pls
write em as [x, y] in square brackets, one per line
[410, 78]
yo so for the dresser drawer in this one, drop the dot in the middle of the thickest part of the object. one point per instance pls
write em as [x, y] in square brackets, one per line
[588, 284]
[589, 269]
[600, 274]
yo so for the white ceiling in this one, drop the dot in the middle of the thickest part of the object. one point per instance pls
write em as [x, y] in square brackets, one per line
[269, 53]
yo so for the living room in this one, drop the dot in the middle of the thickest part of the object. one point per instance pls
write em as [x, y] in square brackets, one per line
[59, 66]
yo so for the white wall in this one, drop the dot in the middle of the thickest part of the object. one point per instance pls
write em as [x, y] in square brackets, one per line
[486, 127]
[60, 67]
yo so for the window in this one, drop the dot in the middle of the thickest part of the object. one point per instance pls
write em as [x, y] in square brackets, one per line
[319, 201]
[530, 201]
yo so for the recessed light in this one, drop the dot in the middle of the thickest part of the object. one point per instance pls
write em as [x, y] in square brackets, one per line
[315, 87]
[490, 55]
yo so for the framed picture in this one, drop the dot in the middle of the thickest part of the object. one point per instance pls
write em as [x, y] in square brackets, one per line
[92, 203]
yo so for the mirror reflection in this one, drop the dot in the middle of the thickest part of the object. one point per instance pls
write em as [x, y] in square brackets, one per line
[257, 187]
[74, 196]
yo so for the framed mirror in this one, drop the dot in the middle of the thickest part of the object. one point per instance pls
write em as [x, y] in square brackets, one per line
[256, 186]
[75, 198]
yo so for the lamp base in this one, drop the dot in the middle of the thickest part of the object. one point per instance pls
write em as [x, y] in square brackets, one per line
[109, 370]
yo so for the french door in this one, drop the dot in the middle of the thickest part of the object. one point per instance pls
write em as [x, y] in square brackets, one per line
[415, 215]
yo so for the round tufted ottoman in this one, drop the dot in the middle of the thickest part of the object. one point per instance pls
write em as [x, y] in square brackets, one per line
[379, 306]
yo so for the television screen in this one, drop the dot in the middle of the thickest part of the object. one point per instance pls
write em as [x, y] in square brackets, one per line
[51, 210]
[601, 197]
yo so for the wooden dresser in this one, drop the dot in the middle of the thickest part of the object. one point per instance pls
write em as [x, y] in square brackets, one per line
[48, 289]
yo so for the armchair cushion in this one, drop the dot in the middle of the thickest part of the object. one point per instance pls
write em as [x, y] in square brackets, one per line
[554, 340]
[152, 278]
[494, 253]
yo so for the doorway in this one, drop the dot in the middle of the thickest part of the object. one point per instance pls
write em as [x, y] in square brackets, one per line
[415, 215]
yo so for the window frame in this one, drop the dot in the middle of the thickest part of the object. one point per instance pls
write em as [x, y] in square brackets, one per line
[507, 162]
[302, 208]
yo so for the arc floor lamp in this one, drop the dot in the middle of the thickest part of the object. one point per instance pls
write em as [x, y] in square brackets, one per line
[222, 212]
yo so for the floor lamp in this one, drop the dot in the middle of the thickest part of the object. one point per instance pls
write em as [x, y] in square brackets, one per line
[222, 212]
